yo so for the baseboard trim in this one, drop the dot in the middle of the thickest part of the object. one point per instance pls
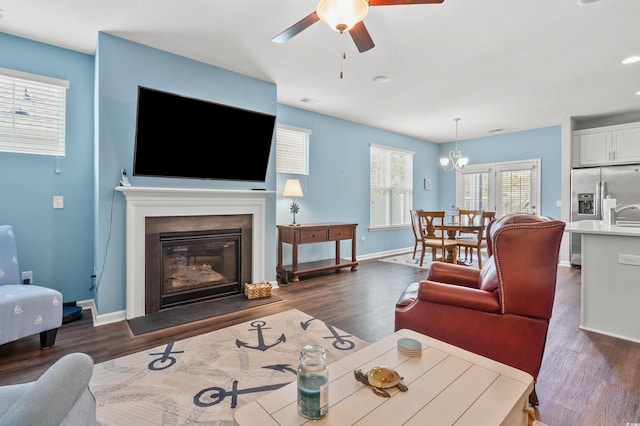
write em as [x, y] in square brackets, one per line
[103, 319]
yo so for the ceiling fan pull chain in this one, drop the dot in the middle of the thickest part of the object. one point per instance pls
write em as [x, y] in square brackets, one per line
[343, 56]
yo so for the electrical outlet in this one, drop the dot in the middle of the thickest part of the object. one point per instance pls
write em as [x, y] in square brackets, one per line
[27, 277]
[629, 259]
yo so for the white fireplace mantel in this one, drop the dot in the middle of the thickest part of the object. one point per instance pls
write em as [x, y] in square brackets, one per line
[142, 202]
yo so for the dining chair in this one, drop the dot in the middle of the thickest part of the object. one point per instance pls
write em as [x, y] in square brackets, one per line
[477, 240]
[469, 217]
[434, 236]
[417, 232]
[468, 238]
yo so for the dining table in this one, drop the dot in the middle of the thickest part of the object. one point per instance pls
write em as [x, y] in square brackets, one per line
[453, 229]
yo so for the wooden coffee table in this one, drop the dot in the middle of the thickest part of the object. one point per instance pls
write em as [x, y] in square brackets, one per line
[447, 385]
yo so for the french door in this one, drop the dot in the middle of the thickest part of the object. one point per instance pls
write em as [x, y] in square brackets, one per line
[511, 187]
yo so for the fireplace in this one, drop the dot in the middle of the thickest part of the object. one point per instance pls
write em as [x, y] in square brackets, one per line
[194, 258]
[198, 266]
[190, 210]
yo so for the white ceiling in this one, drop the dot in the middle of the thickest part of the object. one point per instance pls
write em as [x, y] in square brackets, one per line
[496, 64]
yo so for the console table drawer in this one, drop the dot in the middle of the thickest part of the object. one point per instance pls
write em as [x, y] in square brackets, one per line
[313, 236]
[345, 233]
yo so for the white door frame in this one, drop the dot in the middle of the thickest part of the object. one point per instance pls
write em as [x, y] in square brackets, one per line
[493, 171]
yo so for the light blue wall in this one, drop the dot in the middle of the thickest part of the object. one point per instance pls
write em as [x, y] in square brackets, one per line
[337, 188]
[544, 143]
[63, 246]
[122, 66]
[55, 244]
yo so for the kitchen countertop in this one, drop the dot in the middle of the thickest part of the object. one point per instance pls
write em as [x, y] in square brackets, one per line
[599, 227]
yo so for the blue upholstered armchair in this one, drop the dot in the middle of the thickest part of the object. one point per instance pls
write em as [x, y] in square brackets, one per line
[61, 396]
[25, 310]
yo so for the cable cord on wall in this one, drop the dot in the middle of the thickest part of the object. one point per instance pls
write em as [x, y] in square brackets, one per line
[106, 247]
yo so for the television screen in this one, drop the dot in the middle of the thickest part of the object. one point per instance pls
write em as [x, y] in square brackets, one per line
[183, 137]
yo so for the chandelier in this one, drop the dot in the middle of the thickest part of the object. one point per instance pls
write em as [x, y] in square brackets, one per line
[455, 161]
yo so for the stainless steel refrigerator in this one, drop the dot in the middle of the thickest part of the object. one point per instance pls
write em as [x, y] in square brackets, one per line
[590, 186]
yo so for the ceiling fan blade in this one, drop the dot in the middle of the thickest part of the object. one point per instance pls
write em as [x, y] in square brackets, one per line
[401, 2]
[361, 37]
[296, 28]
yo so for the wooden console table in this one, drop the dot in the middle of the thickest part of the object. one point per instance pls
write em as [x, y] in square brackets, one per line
[309, 234]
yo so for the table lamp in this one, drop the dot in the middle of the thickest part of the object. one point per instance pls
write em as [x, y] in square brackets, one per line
[293, 189]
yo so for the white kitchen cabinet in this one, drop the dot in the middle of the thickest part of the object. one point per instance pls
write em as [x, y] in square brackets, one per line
[627, 144]
[618, 144]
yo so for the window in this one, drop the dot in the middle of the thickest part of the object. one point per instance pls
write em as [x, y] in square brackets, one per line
[391, 191]
[292, 150]
[475, 191]
[503, 187]
[515, 189]
[32, 113]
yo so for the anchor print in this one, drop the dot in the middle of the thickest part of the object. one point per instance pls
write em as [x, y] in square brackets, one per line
[259, 326]
[215, 395]
[339, 343]
[166, 355]
[282, 367]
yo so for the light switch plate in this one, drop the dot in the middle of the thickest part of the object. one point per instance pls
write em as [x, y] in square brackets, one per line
[58, 202]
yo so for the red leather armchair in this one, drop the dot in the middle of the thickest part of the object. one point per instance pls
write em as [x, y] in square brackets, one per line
[502, 311]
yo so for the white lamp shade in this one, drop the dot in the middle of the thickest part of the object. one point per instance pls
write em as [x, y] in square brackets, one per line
[292, 188]
[342, 15]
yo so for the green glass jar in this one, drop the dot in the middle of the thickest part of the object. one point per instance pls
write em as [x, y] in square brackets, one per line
[313, 383]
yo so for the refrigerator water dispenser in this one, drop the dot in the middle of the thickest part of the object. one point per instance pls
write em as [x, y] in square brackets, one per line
[585, 203]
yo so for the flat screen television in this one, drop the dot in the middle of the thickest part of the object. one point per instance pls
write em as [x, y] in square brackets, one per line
[182, 137]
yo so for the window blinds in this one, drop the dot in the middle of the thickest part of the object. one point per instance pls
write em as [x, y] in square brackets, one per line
[516, 191]
[391, 191]
[32, 113]
[292, 150]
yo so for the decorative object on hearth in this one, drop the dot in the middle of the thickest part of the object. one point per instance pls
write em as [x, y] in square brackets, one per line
[293, 189]
[455, 161]
[344, 15]
[203, 379]
[258, 290]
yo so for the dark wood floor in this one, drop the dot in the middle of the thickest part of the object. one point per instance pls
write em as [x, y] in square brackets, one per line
[586, 378]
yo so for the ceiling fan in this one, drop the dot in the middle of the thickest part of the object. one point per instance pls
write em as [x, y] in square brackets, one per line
[344, 15]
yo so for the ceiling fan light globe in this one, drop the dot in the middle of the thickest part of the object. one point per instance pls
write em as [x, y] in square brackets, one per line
[342, 15]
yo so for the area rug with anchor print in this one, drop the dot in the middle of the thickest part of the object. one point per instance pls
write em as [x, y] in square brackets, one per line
[204, 379]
